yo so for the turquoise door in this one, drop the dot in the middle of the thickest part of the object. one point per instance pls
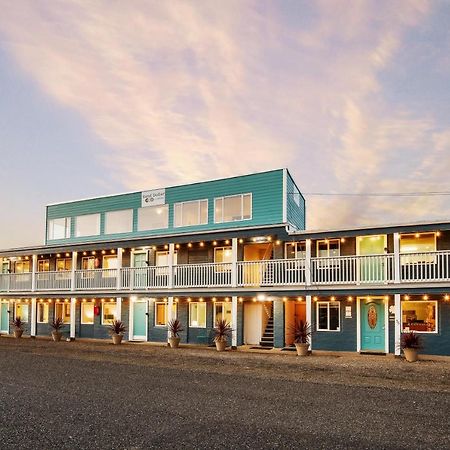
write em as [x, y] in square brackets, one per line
[141, 273]
[4, 318]
[140, 320]
[372, 325]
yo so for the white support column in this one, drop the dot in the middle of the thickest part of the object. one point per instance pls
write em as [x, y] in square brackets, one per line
[73, 309]
[398, 323]
[397, 257]
[170, 263]
[234, 258]
[33, 272]
[170, 315]
[119, 267]
[119, 308]
[234, 321]
[74, 267]
[33, 317]
[308, 263]
[309, 315]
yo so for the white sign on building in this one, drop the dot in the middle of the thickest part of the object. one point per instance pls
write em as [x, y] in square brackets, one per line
[154, 197]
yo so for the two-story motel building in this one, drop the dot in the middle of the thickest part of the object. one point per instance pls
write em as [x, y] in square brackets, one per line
[233, 248]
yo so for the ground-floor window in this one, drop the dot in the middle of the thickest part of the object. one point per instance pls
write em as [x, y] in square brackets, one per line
[87, 313]
[62, 311]
[22, 311]
[222, 311]
[108, 312]
[420, 316]
[162, 311]
[197, 315]
[42, 312]
[328, 316]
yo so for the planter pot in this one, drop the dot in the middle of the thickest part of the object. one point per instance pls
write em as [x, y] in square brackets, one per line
[56, 335]
[18, 333]
[302, 349]
[174, 342]
[411, 354]
[117, 339]
[221, 346]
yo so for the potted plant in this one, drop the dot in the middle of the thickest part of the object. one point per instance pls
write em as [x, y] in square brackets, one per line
[222, 331]
[411, 343]
[56, 325]
[301, 332]
[18, 327]
[175, 328]
[116, 329]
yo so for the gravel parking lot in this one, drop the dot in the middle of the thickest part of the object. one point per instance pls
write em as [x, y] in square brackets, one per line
[136, 396]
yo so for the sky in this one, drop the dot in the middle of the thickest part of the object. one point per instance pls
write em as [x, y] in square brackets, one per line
[101, 97]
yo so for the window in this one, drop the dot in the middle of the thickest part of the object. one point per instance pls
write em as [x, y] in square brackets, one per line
[328, 316]
[223, 255]
[58, 228]
[329, 248]
[233, 208]
[197, 315]
[295, 250]
[222, 311]
[153, 217]
[162, 261]
[63, 264]
[108, 312]
[88, 262]
[296, 194]
[87, 225]
[161, 313]
[110, 262]
[22, 267]
[43, 265]
[420, 316]
[62, 311]
[22, 311]
[42, 312]
[119, 221]
[191, 213]
[416, 244]
[87, 313]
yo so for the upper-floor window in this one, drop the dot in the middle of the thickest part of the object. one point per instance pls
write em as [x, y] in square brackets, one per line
[415, 245]
[58, 228]
[87, 225]
[109, 262]
[88, 262]
[191, 213]
[153, 217]
[296, 195]
[233, 208]
[295, 250]
[328, 248]
[43, 265]
[223, 255]
[63, 264]
[119, 221]
[22, 266]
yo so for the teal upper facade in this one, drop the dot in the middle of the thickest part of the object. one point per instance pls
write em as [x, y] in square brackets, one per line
[265, 199]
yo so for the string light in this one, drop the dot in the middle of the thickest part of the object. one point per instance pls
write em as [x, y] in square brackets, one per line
[166, 247]
[103, 252]
[425, 297]
[406, 297]
[241, 299]
[214, 243]
[241, 241]
[190, 244]
[202, 244]
[299, 299]
[277, 242]
[447, 297]
[350, 299]
[177, 246]
[227, 242]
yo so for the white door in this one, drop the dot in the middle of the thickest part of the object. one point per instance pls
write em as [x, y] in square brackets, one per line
[253, 323]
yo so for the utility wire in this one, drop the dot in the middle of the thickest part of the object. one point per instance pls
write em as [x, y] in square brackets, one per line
[374, 194]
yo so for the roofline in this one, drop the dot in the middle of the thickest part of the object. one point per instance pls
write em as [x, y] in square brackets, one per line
[166, 187]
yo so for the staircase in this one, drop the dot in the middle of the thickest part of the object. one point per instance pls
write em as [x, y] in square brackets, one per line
[267, 338]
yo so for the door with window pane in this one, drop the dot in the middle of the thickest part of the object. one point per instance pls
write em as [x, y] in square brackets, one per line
[140, 273]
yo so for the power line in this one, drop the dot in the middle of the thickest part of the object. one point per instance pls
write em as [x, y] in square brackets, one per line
[375, 194]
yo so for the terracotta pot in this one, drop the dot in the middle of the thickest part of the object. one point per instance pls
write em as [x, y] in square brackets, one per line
[18, 333]
[117, 338]
[221, 346]
[56, 335]
[302, 349]
[174, 342]
[411, 354]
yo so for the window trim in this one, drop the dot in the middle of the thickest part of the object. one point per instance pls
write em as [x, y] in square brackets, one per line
[98, 226]
[436, 308]
[43, 262]
[190, 315]
[413, 235]
[128, 210]
[199, 201]
[215, 312]
[67, 228]
[328, 241]
[166, 313]
[109, 321]
[28, 312]
[84, 304]
[288, 245]
[46, 306]
[151, 208]
[63, 304]
[222, 199]
[328, 316]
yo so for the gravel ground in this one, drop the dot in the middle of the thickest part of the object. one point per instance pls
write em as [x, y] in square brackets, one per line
[136, 396]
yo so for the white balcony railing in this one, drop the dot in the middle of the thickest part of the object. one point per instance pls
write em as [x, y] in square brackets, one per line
[10, 282]
[144, 277]
[202, 275]
[47, 281]
[427, 266]
[95, 279]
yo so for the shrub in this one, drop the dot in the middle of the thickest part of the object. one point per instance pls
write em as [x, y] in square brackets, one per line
[116, 327]
[17, 323]
[410, 339]
[301, 332]
[57, 324]
[222, 330]
[175, 327]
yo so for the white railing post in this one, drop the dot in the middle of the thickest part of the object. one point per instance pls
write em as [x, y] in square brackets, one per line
[309, 317]
[74, 268]
[234, 320]
[33, 272]
[119, 308]
[397, 258]
[398, 323]
[234, 258]
[119, 267]
[308, 263]
[170, 268]
[73, 309]
[33, 317]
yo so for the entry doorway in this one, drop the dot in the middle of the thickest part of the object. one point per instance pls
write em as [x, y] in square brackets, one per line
[373, 324]
[139, 320]
[4, 317]
[294, 311]
[372, 269]
[258, 273]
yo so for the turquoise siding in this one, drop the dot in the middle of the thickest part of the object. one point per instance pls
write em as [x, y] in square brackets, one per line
[295, 212]
[267, 206]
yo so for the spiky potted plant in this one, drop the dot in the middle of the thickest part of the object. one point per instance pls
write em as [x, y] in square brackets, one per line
[18, 325]
[222, 331]
[301, 332]
[56, 326]
[116, 330]
[175, 328]
[410, 343]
